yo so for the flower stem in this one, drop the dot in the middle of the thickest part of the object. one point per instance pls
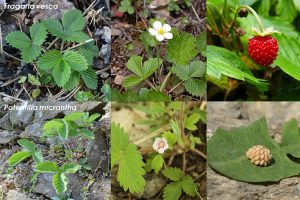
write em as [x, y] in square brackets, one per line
[163, 85]
[261, 28]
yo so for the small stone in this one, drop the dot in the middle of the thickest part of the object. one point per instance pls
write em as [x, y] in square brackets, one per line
[16, 195]
[119, 79]
[259, 155]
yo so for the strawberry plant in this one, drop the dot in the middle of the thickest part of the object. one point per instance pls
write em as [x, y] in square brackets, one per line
[174, 130]
[65, 66]
[249, 56]
[76, 124]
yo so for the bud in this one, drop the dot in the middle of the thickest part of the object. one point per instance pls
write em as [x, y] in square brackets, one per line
[243, 12]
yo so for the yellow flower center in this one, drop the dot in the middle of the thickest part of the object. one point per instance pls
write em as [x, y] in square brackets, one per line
[161, 144]
[161, 31]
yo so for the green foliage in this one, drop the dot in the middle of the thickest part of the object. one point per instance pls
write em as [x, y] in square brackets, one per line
[126, 7]
[29, 150]
[65, 66]
[190, 122]
[192, 77]
[157, 163]
[70, 29]
[106, 90]
[30, 47]
[126, 156]
[141, 71]
[143, 95]
[182, 48]
[227, 152]
[180, 183]
[84, 96]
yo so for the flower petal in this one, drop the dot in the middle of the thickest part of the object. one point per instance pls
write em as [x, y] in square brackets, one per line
[167, 27]
[168, 36]
[157, 25]
[160, 37]
[152, 31]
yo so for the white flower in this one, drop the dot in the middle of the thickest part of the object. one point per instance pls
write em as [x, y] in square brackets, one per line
[161, 31]
[160, 145]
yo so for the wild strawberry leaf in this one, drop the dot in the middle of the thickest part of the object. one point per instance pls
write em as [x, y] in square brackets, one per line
[182, 48]
[193, 77]
[70, 29]
[90, 78]
[157, 163]
[141, 72]
[227, 152]
[30, 48]
[129, 161]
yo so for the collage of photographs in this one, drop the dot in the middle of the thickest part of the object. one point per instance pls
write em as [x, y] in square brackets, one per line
[149, 100]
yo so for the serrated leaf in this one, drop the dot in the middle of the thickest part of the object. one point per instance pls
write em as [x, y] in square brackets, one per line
[173, 174]
[26, 144]
[18, 157]
[18, 40]
[50, 128]
[75, 60]
[134, 64]
[153, 96]
[38, 34]
[61, 73]
[182, 48]
[90, 78]
[54, 27]
[130, 172]
[60, 183]
[30, 53]
[172, 191]
[157, 163]
[73, 21]
[150, 66]
[188, 186]
[70, 168]
[227, 152]
[73, 81]
[47, 167]
[49, 60]
[190, 122]
[132, 80]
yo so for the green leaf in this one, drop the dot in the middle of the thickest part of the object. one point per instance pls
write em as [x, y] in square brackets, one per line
[94, 117]
[71, 28]
[74, 116]
[73, 81]
[171, 138]
[75, 60]
[38, 157]
[38, 34]
[182, 48]
[49, 60]
[35, 93]
[60, 183]
[227, 152]
[221, 61]
[188, 186]
[18, 40]
[126, 155]
[142, 72]
[264, 8]
[189, 123]
[26, 144]
[48, 167]
[63, 131]
[90, 78]
[286, 10]
[70, 168]
[33, 80]
[175, 126]
[84, 96]
[18, 157]
[173, 174]
[87, 134]
[172, 191]
[126, 7]
[157, 163]
[61, 73]
[50, 128]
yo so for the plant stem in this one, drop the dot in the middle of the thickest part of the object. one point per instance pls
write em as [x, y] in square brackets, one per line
[261, 28]
[163, 85]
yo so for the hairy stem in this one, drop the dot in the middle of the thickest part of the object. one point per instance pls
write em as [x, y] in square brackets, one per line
[261, 28]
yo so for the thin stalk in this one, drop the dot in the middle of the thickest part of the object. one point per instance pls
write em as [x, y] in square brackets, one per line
[261, 28]
[163, 85]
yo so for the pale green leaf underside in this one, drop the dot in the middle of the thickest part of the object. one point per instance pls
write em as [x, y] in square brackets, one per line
[227, 149]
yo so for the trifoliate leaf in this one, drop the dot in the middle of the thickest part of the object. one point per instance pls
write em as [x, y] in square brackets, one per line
[141, 72]
[60, 183]
[130, 172]
[182, 48]
[189, 122]
[173, 174]
[227, 152]
[188, 186]
[33, 80]
[126, 7]
[157, 163]
[18, 157]
[90, 78]
[47, 167]
[30, 48]
[71, 28]
[172, 191]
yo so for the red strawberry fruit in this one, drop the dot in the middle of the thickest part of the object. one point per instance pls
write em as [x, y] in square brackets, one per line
[263, 49]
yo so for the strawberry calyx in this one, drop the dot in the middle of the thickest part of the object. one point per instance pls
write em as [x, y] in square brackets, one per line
[265, 32]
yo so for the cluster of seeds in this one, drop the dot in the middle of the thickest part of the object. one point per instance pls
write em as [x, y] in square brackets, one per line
[259, 155]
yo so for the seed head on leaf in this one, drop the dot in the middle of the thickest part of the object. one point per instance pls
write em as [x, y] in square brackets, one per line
[259, 155]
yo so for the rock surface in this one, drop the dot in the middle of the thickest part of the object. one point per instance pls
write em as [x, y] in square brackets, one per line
[16, 195]
[8, 136]
[229, 115]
